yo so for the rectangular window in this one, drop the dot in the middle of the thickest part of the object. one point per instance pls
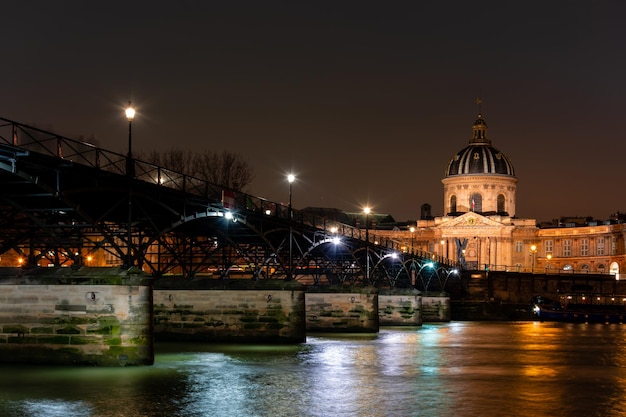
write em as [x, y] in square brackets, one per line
[518, 247]
[613, 245]
[584, 247]
[548, 247]
[567, 247]
[600, 246]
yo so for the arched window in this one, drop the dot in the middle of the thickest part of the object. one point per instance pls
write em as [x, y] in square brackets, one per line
[501, 207]
[476, 203]
[453, 204]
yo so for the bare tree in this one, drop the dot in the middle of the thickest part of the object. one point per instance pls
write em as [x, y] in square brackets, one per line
[227, 169]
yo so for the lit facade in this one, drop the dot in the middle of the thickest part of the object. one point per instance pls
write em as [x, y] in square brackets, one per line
[480, 228]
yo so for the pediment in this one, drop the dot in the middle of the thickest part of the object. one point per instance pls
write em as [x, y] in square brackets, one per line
[471, 220]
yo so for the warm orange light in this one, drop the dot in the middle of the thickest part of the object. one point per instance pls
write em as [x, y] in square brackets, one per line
[20, 261]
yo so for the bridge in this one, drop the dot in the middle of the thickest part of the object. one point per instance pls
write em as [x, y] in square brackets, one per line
[65, 202]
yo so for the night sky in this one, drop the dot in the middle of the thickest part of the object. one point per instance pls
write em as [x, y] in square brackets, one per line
[365, 102]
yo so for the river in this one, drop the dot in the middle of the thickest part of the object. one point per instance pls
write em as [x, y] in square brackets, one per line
[451, 369]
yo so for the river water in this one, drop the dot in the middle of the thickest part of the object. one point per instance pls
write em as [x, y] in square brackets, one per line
[451, 369]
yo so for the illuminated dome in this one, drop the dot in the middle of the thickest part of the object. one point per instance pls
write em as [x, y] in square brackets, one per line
[480, 158]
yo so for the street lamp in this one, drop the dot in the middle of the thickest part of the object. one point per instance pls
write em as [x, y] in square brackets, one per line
[548, 257]
[412, 230]
[290, 178]
[533, 251]
[367, 211]
[130, 115]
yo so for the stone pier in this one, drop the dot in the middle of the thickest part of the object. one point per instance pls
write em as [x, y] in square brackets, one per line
[87, 316]
[399, 307]
[245, 311]
[436, 308]
[342, 309]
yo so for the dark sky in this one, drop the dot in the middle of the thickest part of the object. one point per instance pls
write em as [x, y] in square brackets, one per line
[365, 102]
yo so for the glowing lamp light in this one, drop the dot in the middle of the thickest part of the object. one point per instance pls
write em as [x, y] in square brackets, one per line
[336, 240]
[130, 113]
[228, 215]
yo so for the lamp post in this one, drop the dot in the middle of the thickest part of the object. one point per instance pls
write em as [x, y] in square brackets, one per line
[533, 251]
[367, 210]
[442, 242]
[412, 230]
[130, 172]
[548, 257]
[290, 178]
[130, 115]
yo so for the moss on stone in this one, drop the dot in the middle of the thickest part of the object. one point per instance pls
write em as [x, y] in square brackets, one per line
[42, 330]
[84, 340]
[19, 329]
[68, 330]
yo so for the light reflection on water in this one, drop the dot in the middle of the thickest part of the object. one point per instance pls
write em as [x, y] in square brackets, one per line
[452, 369]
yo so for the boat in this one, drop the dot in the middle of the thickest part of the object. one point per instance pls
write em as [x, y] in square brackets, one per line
[581, 308]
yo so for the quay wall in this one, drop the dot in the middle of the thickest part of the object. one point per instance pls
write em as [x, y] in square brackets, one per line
[99, 317]
[266, 311]
[496, 295]
[342, 309]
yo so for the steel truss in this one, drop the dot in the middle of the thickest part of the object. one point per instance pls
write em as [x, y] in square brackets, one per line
[63, 201]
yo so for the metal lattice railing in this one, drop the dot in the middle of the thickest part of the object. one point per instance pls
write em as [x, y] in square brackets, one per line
[40, 141]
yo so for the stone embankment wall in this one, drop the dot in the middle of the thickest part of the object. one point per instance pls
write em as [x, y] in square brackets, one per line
[482, 295]
[89, 316]
[263, 311]
[342, 309]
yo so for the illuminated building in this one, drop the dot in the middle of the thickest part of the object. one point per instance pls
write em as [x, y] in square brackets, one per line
[480, 227]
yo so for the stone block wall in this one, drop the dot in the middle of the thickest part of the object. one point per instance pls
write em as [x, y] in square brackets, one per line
[342, 310]
[436, 308]
[399, 308]
[248, 312]
[75, 323]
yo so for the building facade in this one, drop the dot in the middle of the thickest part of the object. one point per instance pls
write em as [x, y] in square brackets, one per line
[480, 229]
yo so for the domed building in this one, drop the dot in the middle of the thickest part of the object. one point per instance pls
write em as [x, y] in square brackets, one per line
[479, 178]
[479, 228]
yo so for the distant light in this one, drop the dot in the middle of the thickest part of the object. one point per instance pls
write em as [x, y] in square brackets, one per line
[336, 240]
[291, 178]
[268, 212]
[430, 264]
[367, 210]
[394, 255]
[229, 215]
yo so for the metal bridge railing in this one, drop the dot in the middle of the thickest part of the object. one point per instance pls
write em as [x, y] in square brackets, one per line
[38, 140]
